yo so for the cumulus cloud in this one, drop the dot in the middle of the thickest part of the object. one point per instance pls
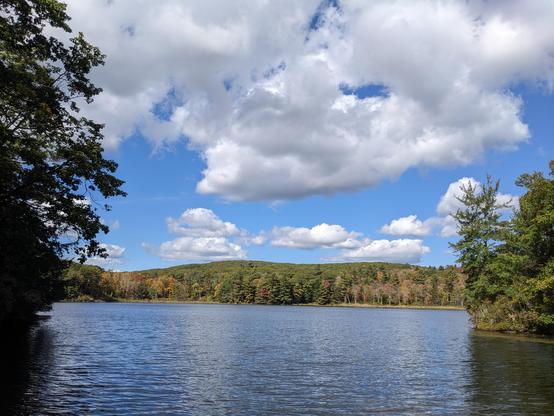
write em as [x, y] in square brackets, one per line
[448, 226]
[201, 222]
[203, 236]
[254, 240]
[449, 202]
[448, 205]
[201, 249]
[319, 236]
[352, 245]
[397, 251]
[114, 253]
[409, 225]
[258, 88]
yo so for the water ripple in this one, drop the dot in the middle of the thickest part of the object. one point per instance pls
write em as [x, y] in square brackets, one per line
[148, 359]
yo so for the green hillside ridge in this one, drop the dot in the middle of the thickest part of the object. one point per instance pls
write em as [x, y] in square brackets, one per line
[259, 282]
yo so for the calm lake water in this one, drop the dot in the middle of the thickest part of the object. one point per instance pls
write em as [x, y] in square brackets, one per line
[249, 360]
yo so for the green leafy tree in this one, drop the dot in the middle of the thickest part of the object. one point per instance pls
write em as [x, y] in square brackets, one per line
[52, 168]
[533, 245]
[82, 281]
[510, 264]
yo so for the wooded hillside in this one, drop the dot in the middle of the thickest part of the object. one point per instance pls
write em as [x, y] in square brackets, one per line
[274, 283]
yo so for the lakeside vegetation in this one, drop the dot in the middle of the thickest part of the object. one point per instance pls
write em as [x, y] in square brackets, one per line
[52, 168]
[250, 282]
[509, 262]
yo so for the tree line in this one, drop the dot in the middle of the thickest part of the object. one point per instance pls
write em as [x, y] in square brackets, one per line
[254, 282]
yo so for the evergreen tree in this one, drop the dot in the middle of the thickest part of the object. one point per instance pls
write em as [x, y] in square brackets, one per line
[533, 243]
[509, 264]
[480, 229]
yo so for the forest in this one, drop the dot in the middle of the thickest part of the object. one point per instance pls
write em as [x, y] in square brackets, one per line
[273, 283]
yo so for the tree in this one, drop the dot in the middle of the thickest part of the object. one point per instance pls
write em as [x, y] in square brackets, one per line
[509, 264]
[480, 229]
[83, 281]
[325, 293]
[533, 245]
[52, 169]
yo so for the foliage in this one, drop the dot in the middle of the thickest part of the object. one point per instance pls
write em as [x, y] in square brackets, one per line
[51, 163]
[275, 283]
[480, 229]
[510, 263]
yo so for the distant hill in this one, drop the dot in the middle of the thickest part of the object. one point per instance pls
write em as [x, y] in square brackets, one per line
[265, 266]
[262, 282]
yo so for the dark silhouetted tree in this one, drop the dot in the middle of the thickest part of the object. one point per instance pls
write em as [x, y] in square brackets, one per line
[52, 168]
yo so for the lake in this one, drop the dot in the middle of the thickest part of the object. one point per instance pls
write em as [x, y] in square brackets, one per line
[117, 358]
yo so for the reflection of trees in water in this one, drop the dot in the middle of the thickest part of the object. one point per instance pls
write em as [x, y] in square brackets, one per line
[511, 376]
[41, 372]
[26, 358]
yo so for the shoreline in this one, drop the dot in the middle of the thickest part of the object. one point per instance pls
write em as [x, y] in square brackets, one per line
[334, 305]
[514, 336]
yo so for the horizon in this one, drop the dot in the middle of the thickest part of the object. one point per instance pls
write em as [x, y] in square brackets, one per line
[444, 266]
[276, 134]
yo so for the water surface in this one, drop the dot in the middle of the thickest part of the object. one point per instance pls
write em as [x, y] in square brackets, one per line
[229, 359]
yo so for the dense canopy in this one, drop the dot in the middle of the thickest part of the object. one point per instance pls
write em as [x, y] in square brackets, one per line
[274, 283]
[52, 169]
[510, 262]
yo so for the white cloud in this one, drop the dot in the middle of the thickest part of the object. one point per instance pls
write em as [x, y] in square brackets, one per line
[255, 240]
[113, 250]
[510, 201]
[114, 253]
[257, 94]
[449, 226]
[201, 249]
[203, 236]
[409, 225]
[397, 251]
[449, 202]
[319, 236]
[201, 222]
[351, 244]
[447, 206]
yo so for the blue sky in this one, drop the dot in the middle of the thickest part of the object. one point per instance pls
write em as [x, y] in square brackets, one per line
[162, 185]
[281, 146]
